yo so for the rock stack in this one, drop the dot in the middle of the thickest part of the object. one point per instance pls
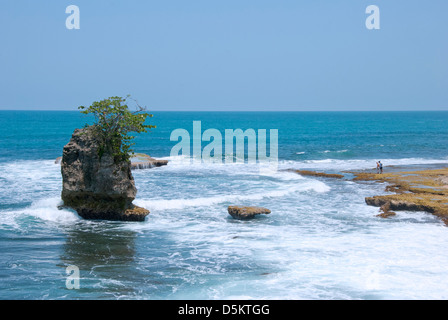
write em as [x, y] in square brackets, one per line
[97, 187]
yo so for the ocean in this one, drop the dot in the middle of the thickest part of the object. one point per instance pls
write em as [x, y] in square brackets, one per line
[321, 240]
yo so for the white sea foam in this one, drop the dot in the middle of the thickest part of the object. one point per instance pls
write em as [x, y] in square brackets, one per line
[317, 251]
[320, 242]
[43, 209]
[177, 204]
[321, 164]
[47, 209]
[337, 151]
[28, 180]
[355, 164]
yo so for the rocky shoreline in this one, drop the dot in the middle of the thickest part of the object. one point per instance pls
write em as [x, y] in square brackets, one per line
[413, 189]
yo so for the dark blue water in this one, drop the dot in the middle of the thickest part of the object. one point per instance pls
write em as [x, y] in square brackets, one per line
[321, 241]
[302, 135]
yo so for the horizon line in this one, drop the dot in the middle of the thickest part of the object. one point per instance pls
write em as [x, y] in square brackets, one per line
[160, 110]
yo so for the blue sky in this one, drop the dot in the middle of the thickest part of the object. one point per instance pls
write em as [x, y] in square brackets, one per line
[290, 55]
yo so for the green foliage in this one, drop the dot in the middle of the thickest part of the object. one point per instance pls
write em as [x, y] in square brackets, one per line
[114, 122]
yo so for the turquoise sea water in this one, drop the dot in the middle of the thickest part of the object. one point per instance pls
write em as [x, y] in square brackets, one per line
[320, 242]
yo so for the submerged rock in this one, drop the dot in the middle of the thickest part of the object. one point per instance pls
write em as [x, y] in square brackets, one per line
[318, 174]
[244, 213]
[138, 161]
[143, 161]
[97, 187]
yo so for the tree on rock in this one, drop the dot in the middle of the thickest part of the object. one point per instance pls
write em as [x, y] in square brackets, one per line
[113, 124]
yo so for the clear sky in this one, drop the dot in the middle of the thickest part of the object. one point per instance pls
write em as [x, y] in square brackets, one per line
[290, 55]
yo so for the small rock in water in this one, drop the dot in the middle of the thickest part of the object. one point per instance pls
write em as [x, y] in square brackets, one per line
[244, 213]
[144, 161]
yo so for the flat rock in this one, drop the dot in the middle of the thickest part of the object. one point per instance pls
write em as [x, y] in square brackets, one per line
[144, 161]
[138, 161]
[319, 174]
[244, 213]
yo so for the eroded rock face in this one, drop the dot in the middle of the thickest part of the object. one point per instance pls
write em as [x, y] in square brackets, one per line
[97, 187]
[244, 213]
